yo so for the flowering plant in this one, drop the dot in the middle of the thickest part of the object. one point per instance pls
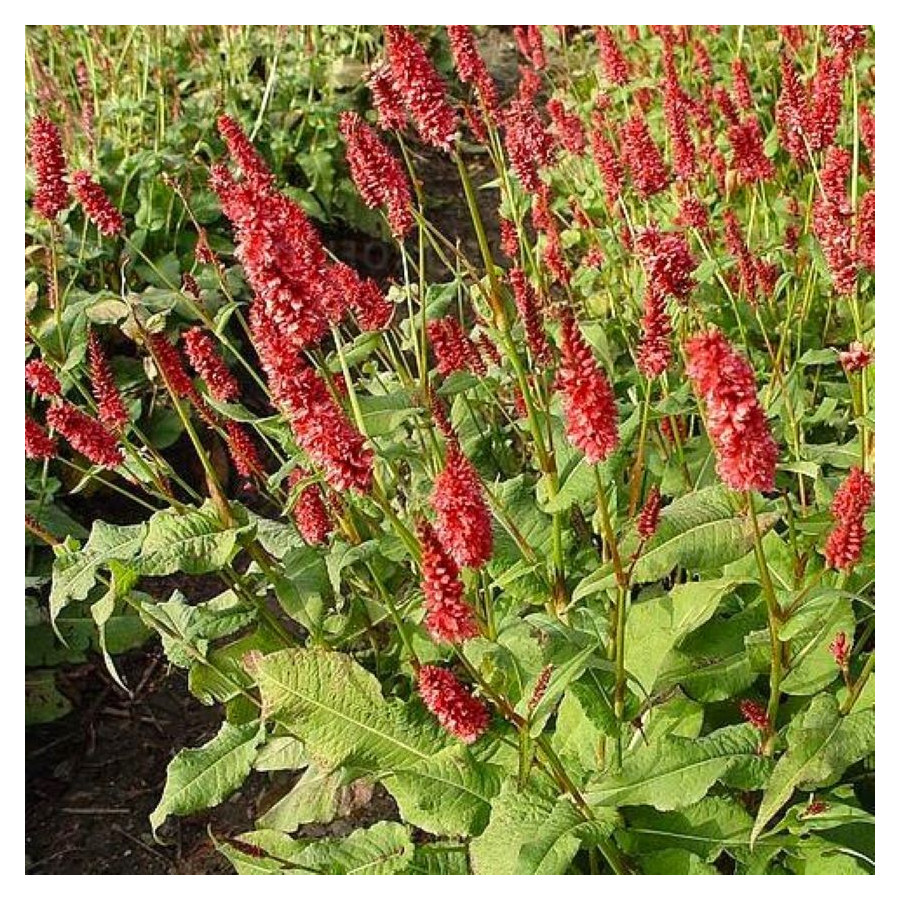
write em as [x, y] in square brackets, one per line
[564, 542]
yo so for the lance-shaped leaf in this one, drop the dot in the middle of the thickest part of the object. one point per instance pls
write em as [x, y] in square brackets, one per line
[193, 541]
[821, 744]
[701, 532]
[205, 776]
[75, 571]
[532, 831]
[384, 849]
[676, 771]
[337, 709]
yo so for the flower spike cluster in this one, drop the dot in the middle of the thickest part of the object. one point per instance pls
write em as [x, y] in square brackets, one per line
[463, 517]
[96, 204]
[38, 444]
[86, 435]
[471, 67]
[448, 619]
[587, 396]
[746, 453]
[110, 407]
[850, 504]
[206, 362]
[423, 91]
[51, 194]
[452, 704]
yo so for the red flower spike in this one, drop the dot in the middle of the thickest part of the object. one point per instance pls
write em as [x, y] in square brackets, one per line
[453, 348]
[645, 163]
[746, 454]
[38, 444]
[531, 44]
[612, 59]
[755, 713]
[741, 83]
[449, 619]
[51, 193]
[527, 305]
[509, 238]
[567, 126]
[110, 408]
[847, 39]
[608, 164]
[850, 504]
[423, 91]
[452, 704]
[40, 378]
[206, 362]
[668, 262]
[244, 154]
[377, 174]
[388, 103]
[310, 515]
[840, 650]
[243, 451]
[655, 350]
[528, 143]
[540, 688]
[748, 154]
[471, 67]
[96, 205]
[463, 518]
[648, 519]
[587, 396]
[86, 435]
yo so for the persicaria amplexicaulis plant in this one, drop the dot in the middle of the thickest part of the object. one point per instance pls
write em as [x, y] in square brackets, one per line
[558, 528]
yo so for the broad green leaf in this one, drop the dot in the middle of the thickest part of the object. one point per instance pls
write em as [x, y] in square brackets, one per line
[192, 541]
[676, 771]
[533, 832]
[313, 798]
[440, 858]
[204, 777]
[712, 664]
[384, 849]
[701, 532]
[584, 719]
[821, 744]
[279, 754]
[337, 709]
[705, 829]
[383, 414]
[75, 571]
[809, 633]
[655, 626]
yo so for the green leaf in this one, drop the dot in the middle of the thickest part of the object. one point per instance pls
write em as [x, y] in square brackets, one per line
[675, 862]
[440, 858]
[810, 632]
[204, 777]
[337, 709]
[533, 832]
[43, 701]
[655, 626]
[383, 414]
[75, 571]
[313, 798]
[700, 532]
[821, 744]
[676, 771]
[384, 849]
[192, 541]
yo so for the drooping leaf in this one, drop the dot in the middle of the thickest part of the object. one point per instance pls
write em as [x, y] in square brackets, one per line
[337, 709]
[534, 832]
[676, 771]
[821, 744]
[192, 541]
[204, 777]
